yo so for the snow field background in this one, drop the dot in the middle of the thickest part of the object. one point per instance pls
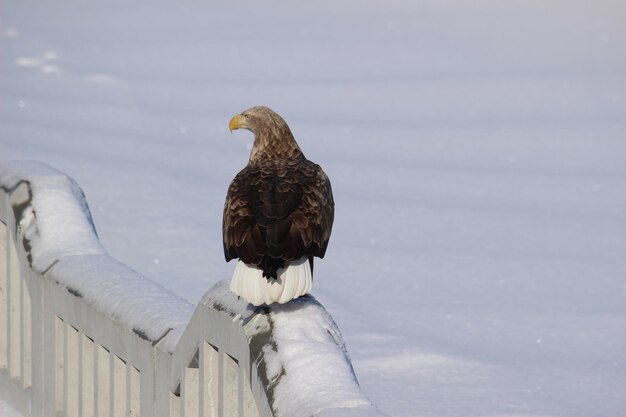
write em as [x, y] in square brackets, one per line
[477, 154]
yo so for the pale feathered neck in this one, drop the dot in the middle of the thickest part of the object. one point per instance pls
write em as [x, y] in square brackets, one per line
[274, 142]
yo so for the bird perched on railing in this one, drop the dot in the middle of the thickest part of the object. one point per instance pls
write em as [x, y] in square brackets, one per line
[278, 213]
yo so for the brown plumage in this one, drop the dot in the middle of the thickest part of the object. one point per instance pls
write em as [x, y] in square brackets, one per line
[280, 206]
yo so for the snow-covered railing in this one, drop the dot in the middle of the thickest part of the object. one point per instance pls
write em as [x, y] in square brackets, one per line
[83, 335]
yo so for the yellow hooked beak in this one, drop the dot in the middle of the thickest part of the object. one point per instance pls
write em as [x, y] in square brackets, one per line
[237, 122]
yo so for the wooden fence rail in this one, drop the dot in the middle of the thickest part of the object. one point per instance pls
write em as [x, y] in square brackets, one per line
[83, 335]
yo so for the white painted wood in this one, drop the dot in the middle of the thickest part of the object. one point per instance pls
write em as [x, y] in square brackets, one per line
[231, 386]
[38, 349]
[191, 392]
[15, 307]
[134, 385]
[209, 374]
[240, 391]
[118, 386]
[250, 408]
[174, 405]
[220, 383]
[4, 270]
[87, 377]
[103, 369]
[26, 333]
[72, 371]
[59, 364]
[48, 351]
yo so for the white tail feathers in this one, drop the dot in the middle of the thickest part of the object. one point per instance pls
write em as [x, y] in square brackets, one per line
[292, 281]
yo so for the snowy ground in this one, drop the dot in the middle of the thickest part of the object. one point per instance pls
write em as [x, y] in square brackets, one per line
[477, 152]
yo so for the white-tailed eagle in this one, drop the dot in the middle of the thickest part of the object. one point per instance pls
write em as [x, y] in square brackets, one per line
[278, 213]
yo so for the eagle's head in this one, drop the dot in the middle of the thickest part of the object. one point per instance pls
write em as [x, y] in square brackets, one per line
[272, 136]
[257, 119]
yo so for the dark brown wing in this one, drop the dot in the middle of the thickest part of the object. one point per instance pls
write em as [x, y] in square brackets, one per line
[278, 211]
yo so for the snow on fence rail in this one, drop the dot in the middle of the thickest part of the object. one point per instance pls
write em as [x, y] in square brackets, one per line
[83, 335]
